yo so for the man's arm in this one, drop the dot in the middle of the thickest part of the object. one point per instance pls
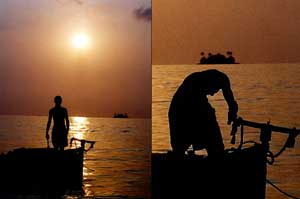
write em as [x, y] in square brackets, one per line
[232, 104]
[48, 124]
[67, 121]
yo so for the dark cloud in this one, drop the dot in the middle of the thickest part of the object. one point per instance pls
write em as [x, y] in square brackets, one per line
[64, 2]
[143, 13]
[78, 1]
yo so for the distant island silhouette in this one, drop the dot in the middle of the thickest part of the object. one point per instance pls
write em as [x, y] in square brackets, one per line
[217, 58]
[120, 115]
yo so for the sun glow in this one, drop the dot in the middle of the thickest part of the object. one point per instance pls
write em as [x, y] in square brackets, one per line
[80, 41]
[80, 120]
[79, 126]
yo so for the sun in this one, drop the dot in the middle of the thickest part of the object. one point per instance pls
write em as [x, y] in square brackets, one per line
[80, 41]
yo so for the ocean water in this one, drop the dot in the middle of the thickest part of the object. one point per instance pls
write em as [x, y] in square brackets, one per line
[264, 92]
[117, 167]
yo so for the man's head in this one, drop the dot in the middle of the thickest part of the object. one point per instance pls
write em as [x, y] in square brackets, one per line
[57, 100]
[216, 82]
[213, 90]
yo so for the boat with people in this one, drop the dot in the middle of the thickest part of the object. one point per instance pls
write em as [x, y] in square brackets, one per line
[38, 170]
[240, 173]
[120, 115]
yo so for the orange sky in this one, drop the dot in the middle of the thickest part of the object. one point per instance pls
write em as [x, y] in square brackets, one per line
[257, 31]
[38, 62]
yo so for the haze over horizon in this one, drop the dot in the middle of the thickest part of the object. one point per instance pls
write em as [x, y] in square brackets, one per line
[255, 31]
[105, 70]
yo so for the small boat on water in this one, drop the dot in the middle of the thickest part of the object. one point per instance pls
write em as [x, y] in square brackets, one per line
[120, 115]
[30, 170]
[240, 173]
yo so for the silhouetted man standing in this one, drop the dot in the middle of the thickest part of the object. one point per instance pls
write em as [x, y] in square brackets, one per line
[192, 119]
[61, 125]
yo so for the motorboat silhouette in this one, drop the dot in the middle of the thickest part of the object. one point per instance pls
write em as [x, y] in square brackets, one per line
[120, 115]
[37, 170]
[240, 173]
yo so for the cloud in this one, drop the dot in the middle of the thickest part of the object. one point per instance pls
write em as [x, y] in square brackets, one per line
[78, 1]
[143, 13]
[75, 1]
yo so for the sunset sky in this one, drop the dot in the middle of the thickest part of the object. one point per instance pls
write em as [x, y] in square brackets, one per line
[257, 31]
[38, 57]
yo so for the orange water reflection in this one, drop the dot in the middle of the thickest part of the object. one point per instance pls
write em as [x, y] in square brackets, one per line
[263, 91]
[78, 127]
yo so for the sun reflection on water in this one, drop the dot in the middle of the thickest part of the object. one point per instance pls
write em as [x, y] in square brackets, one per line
[78, 127]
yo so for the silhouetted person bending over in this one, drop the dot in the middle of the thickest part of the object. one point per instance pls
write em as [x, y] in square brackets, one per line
[192, 119]
[61, 125]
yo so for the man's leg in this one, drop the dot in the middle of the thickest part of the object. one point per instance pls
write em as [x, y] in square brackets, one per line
[179, 148]
[215, 141]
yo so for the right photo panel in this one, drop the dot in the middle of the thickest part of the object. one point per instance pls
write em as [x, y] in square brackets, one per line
[225, 99]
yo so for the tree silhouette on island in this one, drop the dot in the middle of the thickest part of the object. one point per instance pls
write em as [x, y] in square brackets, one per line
[217, 58]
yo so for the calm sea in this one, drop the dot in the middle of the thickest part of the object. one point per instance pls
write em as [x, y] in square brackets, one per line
[264, 92]
[118, 166]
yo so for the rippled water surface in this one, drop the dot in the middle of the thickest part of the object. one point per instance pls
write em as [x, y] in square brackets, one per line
[269, 92]
[118, 166]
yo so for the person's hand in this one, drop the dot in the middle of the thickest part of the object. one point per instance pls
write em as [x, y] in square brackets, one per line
[47, 136]
[232, 115]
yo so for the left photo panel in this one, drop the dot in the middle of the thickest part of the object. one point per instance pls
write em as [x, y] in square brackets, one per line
[75, 106]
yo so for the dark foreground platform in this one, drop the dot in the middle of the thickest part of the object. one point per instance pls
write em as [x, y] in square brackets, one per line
[38, 170]
[44, 171]
[239, 174]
